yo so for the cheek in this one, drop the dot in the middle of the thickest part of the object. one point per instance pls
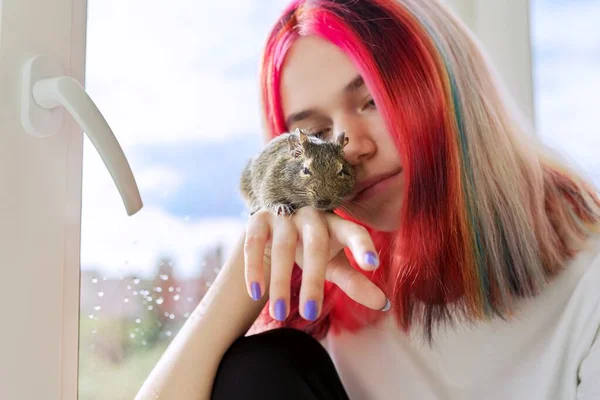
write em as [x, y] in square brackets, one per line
[382, 138]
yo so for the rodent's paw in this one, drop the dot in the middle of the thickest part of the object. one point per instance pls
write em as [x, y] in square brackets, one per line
[283, 209]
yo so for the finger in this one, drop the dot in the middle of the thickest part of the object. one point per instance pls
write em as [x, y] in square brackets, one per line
[315, 242]
[257, 235]
[283, 251]
[357, 286]
[357, 239]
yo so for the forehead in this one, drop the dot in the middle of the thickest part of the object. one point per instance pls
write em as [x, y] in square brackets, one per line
[314, 74]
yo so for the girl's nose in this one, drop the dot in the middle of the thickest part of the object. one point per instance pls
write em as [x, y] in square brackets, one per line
[360, 145]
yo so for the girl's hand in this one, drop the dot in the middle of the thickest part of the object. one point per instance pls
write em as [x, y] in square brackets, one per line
[314, 240]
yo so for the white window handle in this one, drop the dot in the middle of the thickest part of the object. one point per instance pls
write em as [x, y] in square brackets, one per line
[44, 91]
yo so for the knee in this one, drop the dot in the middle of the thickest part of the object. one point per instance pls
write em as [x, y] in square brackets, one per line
[274, 359]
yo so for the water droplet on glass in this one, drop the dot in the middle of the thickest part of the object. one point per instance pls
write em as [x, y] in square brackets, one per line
[190, 299]
[126, 300]
[97, 308]
[136, 281]
[135, 293]
[138, 320]
[100, 294]
[104, 278]
[91, 316]
[94, 331]
[171, 289]
[132, 335]
[144, 343]
[164, 277]
[208, 284]
[94, 280]
[176, 297]
[160, 300]
[150, 308]
[217, 270]
[172, 316]
[128, 287]
[186, 315]
[166, 313]
[168, 333]
[158, 289]
[149, 298]
[137, 329]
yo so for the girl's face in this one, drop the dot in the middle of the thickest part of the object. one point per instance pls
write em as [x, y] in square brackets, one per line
[323, 93]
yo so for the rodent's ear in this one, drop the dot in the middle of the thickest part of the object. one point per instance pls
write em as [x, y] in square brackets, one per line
[303, 136]
[342, 140]
[296, 149]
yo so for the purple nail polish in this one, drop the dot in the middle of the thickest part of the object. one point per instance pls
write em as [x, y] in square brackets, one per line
[371, 258]
[310, 310]
[280, 310]
[255, 287]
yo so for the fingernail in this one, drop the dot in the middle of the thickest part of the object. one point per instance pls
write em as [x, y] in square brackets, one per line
[280, 310]
[387, 306]
[255, 287]
[371, 259]
[310, 310]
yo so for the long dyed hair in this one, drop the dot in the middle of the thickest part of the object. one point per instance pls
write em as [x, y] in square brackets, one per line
[488, 216]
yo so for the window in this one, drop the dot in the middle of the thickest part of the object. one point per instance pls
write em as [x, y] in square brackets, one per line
[178, 85]
[566, 61]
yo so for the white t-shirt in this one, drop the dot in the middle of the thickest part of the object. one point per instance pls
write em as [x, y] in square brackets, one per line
[551, 351]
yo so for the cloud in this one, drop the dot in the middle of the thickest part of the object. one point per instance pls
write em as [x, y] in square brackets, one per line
[567, 85]
[553, 23]
[159, 178]
[166, 74]
[159, 71]
[117, 244]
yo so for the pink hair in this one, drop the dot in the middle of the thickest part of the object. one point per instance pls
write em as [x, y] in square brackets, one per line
[458, 243]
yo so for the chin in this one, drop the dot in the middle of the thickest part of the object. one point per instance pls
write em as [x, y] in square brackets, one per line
[382, 217]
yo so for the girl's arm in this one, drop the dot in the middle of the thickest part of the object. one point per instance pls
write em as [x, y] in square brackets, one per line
[187, 368]
[311, 238]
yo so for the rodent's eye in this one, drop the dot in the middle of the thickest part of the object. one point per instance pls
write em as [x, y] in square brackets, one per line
[305, 170]
[342, 173]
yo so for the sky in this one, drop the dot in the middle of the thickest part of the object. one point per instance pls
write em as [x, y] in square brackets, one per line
[178, 85]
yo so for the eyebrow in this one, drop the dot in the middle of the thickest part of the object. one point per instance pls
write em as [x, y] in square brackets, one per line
[356, 83]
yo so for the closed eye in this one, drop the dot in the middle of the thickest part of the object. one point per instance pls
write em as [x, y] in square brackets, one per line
[320, 134]
[370, 104]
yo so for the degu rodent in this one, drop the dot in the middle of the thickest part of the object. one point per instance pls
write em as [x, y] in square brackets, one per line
[295, 170]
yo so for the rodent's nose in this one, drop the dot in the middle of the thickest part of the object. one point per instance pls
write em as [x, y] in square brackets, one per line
[323, 203]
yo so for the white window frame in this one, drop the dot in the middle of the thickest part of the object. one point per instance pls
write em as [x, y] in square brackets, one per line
[40, 197]
[40, 209]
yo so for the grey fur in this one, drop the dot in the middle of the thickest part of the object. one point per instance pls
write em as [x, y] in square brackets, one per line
[274, 179]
